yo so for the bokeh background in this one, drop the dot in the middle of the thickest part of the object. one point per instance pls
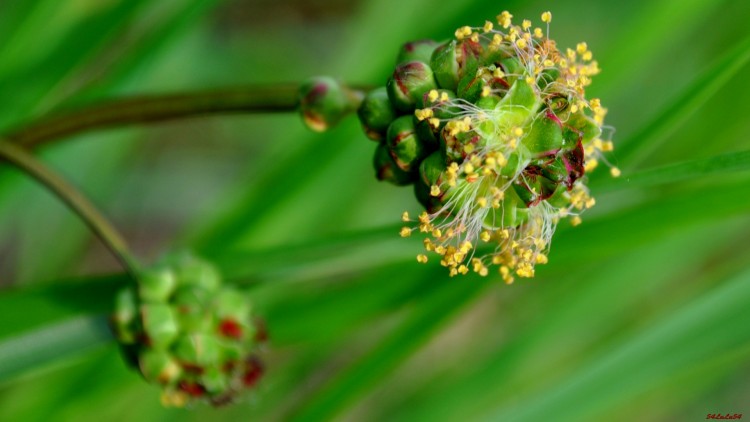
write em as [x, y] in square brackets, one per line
[643, 312]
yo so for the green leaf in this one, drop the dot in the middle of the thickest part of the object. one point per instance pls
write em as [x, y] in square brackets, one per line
[701, 330]
[684, 106]
[672, 173]
[418, 326]
[49, 344]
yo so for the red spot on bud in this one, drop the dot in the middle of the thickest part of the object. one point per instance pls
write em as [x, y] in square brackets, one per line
[261, 333]
[253, 372]
[192, 388]
[228, 366]
[144, 339]
[230, 328]
[192, 368]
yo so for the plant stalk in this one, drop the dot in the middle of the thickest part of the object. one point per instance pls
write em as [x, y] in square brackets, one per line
[278, 98]
[56, 184]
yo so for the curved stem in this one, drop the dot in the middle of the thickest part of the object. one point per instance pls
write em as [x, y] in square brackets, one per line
[147, 109]
[75, 201]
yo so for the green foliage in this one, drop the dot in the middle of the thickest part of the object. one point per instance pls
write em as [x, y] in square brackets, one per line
[641, 312]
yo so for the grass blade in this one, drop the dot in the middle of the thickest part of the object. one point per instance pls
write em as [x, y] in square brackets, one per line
[704, 328]
[633, 150]
[690, 170]
[51, 343]
[433, 311]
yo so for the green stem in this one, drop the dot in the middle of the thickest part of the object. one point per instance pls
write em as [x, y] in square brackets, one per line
[75, 201]
[147, 109]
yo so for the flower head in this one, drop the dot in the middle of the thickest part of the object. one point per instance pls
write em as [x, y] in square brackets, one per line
[186, 332]
[501, 139]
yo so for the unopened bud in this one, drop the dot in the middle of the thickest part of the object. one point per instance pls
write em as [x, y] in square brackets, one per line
[387, 170]
[404, 145]
[192, 271]
[124, 320]
[444, 63]
[198, 349]
[585, 125]
[324, 102]
[407, 85]
[471, 87]
[545, 136]
[192, 304]
[416, 51]
[156, 284]
[159, 324]
[512, 67]
[454, 59]
[432, 168]
[158, 366]
[376, 113]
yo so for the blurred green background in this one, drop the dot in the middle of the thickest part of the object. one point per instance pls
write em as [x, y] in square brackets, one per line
[643, 312]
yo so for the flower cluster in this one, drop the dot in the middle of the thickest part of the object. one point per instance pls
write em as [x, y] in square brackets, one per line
[494, 130]
[186, 332]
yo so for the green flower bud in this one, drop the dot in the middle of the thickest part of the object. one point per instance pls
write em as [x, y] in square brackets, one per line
[511, 168]
[430, 171]
[324, 102]
[442, 105]
[387, 170]
[156, 284]
[158, 366]
[426, 133]
[416, 51]
[191, 271]
[233, 351]
[470, 87]
[525, 191]
[553, 169]
[512, 68]
[520, 104]
[540, 180]
[198, 349]
[444, 63]
[454, 146]
[545, 136]
[404, 145]
[192, 305]
[214, 380]
[431, 168]
[410, 81]
[547, 77]
[439, 102]
[511, 213]
[489, 102]
[376, 113]
[232, 304]
[585, 126]
[422, 193]
[159, 324]
[454, 59]
[124, 320]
